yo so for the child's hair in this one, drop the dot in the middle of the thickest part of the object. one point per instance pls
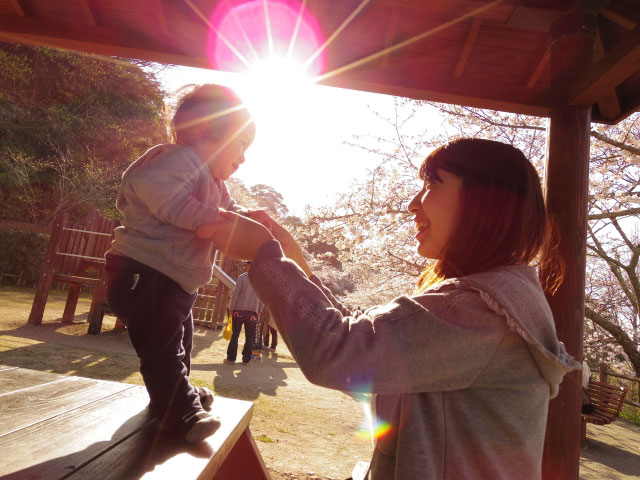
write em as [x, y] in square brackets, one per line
[218, 107]
[503, 219]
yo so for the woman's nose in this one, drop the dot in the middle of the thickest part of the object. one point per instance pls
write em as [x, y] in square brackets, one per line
[414, 204]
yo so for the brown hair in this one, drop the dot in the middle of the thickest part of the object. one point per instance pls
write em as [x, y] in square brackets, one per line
[217, 106]
[503, 219]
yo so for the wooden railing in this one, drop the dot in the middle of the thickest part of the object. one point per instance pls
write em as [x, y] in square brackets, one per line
[605, 372]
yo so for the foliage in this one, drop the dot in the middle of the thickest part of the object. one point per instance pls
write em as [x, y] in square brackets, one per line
[22, 254]
[69, 125]
[259, 196]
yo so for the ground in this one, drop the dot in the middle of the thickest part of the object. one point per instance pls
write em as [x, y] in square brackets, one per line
[304, 432]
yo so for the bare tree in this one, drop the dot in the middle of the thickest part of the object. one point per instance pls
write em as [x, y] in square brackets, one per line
[373, 233]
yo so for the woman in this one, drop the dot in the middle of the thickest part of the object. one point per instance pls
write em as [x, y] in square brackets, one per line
[463, 371]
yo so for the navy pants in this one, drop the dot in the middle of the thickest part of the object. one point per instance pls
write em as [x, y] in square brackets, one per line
[249, 320]
[157, 312]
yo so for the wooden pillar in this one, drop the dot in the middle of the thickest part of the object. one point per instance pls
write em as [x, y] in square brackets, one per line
[571, 48]
[46, 275]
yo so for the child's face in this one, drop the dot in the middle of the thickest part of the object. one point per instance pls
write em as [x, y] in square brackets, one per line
[436, 209]
[227, 155]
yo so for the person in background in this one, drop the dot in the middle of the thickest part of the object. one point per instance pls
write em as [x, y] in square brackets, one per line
[244, 309]
[462, 370]
[157, 261]
[269, 330]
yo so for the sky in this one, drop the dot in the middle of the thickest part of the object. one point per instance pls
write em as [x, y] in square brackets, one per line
[301, 131]
[302, 127]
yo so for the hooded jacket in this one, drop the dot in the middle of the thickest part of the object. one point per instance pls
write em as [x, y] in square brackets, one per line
[165, 196]
[461, 375]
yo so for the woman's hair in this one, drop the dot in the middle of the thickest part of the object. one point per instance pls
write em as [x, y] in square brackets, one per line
[216, 106]
[503, 219]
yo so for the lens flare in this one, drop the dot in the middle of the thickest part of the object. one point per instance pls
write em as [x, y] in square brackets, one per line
[373, 428]
[254, 32]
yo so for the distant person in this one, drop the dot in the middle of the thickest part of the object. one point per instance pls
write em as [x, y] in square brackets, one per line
[269, 330]
[157, 261]
[463, 370]
[244, 309]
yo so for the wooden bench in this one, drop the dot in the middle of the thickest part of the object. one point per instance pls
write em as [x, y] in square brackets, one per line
[58, 427]
[73, 252]
[607, 401]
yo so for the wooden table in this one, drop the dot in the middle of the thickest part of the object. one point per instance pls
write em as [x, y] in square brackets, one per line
[56, 427]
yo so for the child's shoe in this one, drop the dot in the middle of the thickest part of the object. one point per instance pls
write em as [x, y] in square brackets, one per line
[228, 362]
[198, 426]
[206, 397]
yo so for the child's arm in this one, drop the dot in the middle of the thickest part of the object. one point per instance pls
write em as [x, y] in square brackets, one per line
[165, 185]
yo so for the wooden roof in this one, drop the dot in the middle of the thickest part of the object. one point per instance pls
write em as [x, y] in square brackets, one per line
[470, 52]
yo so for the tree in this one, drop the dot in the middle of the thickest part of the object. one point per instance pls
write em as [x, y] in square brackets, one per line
[69, 125]
[259, 196]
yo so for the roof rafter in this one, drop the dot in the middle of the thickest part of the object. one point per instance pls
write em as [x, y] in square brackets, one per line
[610, 71]
[608, 104]
[468, 45]
[537, 73]
[621, 15]
[17, 7]
[88, 12]
[391, 34]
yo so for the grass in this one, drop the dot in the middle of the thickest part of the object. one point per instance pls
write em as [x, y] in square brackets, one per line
[264, 439]
[632, 414]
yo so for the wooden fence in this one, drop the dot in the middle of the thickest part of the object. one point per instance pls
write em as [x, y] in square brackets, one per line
[605, 373]
[211, 304]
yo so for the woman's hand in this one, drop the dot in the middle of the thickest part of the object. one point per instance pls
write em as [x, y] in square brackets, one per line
[236, 236]
[289, 245]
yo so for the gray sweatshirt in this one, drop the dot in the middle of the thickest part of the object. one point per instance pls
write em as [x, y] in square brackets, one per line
[461, 374]
[244, 297]
[164, 197]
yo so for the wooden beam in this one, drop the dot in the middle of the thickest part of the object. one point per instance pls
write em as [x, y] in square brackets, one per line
[468, 45]
[537, 73]
[621, 15]
[608, 104]
[614, 68]
[389, 37]
[97, 40]
[88, 12]
[17, 8]
[494, 96]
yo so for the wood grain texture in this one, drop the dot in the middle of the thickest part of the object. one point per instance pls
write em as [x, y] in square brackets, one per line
[34, 405]
[61, 443]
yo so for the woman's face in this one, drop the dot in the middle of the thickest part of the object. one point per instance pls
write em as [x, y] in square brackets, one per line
[436, 210]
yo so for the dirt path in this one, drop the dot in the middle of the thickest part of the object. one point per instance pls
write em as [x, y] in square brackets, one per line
[304, 432]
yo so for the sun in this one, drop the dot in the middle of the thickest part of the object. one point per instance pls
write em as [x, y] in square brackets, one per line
[275, 90]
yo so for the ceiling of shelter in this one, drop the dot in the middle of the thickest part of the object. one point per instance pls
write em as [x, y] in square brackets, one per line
[490, 54]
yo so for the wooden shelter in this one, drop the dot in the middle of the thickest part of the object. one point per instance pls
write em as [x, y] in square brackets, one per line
[572, 61]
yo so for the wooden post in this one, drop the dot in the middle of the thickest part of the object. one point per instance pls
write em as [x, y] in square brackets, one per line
[603, 373]
[46, 275]
[571, 49]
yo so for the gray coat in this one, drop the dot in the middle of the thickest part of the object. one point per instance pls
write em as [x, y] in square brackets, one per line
[461, 374]
[165, 196]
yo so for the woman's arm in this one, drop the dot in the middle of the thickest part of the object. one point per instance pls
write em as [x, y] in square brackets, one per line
[401, 347]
